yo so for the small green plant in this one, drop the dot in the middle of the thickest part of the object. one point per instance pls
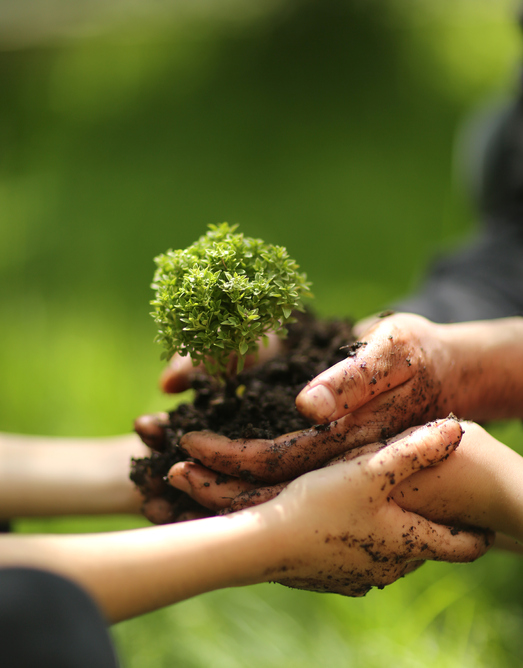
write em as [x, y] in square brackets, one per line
[222, 295]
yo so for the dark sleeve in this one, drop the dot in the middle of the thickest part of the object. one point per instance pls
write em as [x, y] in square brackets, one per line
[46, 620]
[481, 282]
[484, 280]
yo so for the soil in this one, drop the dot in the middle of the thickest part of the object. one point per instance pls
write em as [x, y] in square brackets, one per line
[257, 403]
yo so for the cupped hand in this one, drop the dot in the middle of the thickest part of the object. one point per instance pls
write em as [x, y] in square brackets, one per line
[400, 375]
[478, 485]
[341, 530]
[161, 504]
[402, 365]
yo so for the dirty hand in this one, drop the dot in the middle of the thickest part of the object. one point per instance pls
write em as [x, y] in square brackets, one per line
[406, 371]
[391, 380]
[416, 370]
[176, 378]
[478, 485]
[340, 530]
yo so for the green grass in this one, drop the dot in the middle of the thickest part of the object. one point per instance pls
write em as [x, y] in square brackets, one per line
[327, 129]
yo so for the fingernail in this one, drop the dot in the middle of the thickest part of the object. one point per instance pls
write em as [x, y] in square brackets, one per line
[181, 483]
[318, 401]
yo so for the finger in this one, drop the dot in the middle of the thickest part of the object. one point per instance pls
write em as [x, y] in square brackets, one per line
[414, 450]
[279, 459]
[212, 491]
[159, 511]
[362, 326]
[349, 455]
[175, 507]
[381, 362]
[290, 455]
[150, 428]
[254, 497]
[423, 539]
[354, 453]
[272, 345]
[176, 377]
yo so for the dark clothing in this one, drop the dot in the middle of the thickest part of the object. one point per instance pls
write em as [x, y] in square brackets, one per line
[485, 280]
[47, 621]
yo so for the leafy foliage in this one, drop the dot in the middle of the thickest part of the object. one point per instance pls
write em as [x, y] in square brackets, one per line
[222, 294]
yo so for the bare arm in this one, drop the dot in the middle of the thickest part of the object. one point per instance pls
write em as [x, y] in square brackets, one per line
[486, 364]
[51, 476]
[332, 530]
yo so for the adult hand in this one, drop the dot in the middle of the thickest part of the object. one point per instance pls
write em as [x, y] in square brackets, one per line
[478, 485]
[160, 503]
[422, 369]
[341, 531]
[406, 371]
[393, 379]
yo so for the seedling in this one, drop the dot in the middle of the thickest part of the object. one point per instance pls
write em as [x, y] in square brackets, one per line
[222, 295]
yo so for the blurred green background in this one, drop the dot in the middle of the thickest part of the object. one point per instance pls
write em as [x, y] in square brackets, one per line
[328, 127]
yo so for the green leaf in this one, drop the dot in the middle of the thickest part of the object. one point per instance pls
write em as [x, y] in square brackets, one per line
[222, 293]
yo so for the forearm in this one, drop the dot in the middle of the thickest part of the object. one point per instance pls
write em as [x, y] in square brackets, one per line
[133, 572]
[50, 476]
[486, 358]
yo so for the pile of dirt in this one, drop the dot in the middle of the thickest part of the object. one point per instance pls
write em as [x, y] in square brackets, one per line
[257, 403]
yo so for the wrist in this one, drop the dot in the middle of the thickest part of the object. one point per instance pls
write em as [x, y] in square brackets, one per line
[254, 547]
[482, 381]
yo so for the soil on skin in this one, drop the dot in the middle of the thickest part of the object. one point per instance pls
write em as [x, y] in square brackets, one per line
[258, 403]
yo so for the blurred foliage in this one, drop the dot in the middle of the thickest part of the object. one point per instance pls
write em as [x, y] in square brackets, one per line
[327, 127]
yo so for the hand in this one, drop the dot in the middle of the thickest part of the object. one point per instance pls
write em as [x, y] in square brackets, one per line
[419, 368]
[392, 380]
[342, 532]
[177, 378]
[337, 529]
[406, 371]
[478, 485]
[161, 504]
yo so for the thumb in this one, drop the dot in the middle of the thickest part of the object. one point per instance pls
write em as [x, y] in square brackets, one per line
[372, 366]
[414, 450]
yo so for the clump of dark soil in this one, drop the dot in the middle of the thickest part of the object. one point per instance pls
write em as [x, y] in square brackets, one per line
[257, 403]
